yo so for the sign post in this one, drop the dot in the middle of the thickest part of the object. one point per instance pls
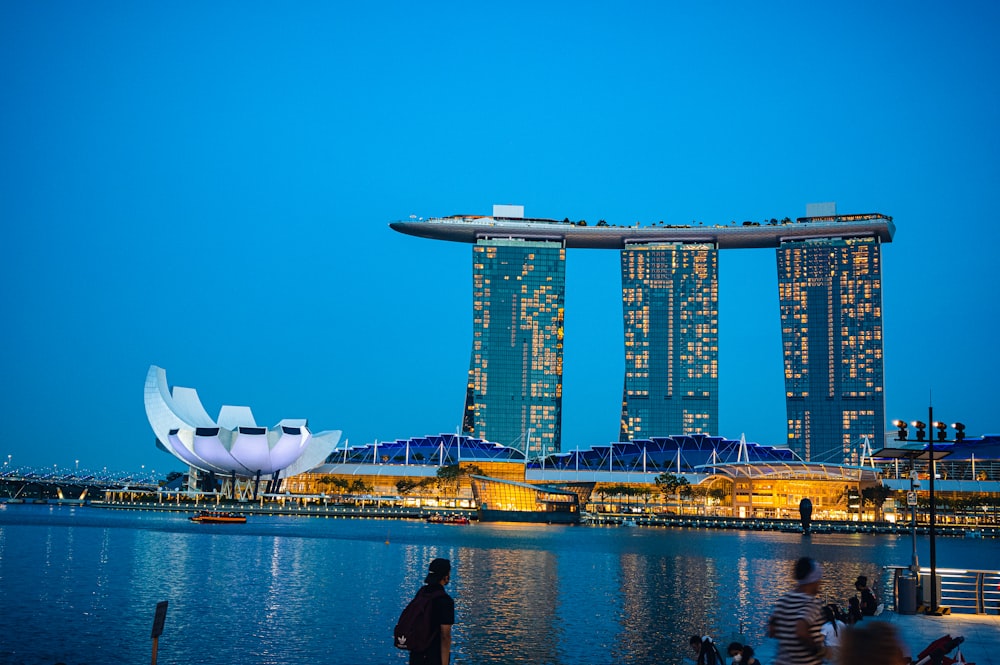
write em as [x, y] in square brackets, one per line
[158, 619]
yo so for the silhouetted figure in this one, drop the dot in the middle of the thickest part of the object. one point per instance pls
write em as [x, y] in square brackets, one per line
[854, 614]
[706, 651]
[869, 604]
[805, 514]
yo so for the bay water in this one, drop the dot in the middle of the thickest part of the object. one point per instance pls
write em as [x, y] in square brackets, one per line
[79, 585]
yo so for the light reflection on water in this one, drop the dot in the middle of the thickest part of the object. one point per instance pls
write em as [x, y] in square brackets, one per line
[80, 585]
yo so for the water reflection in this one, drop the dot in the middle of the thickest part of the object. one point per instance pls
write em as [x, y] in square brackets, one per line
[81, 586]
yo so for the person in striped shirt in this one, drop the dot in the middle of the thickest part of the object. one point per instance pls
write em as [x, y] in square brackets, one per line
[797, 618]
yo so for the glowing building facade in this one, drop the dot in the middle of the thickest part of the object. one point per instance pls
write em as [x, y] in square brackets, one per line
[831, 318]
[670, 301]
[830, 293]
[514, 394]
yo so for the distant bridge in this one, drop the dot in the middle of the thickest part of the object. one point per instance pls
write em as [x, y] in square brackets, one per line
[67, 485]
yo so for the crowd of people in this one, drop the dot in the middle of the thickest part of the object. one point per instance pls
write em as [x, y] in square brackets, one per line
[811, 633]
[807, 632]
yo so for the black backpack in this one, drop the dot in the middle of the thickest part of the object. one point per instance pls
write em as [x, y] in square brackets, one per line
[415, 630]
[709, 654]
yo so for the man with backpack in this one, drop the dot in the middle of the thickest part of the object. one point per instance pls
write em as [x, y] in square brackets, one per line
[706, 653]
[424, 627]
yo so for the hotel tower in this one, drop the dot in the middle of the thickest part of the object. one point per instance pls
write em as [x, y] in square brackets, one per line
[514, 394]
[830, 295]
[670, 297]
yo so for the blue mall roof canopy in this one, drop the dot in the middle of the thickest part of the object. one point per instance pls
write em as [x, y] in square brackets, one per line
[438, 450]
[677, 454]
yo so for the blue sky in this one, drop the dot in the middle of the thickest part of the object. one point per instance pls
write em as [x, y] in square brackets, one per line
[207, 187]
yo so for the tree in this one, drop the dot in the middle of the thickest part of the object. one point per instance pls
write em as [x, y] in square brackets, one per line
[699, 492]
[336, 482]
[453, 474]
[359, 487]
[875, 496]
[645, 493]
[405, 485]
[717, 493]
[670, 483]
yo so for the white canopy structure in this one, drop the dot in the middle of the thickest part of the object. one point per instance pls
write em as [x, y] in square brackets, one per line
[234, 444]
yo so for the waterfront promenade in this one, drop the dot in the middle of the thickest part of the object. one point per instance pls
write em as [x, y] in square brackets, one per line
[981, 633]
[293, 506]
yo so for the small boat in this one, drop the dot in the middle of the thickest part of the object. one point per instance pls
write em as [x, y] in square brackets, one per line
[628, 521]
[210, 517]
[974, 533]
[448, 519]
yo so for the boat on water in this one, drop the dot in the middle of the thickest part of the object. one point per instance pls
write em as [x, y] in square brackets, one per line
[212, 517]
[448, 519]
[974, 533]
[628, 521]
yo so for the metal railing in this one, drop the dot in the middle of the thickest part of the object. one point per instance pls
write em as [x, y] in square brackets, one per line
[961, 591]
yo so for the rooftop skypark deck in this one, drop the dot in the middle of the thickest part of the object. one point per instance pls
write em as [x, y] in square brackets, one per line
[470, 228]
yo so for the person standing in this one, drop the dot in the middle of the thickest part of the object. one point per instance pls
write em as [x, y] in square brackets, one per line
[798, 617]
[442, 615]
[869, 605]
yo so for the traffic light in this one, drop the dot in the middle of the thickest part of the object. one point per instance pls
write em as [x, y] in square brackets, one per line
[920, 427]
[901, 434]
[959, 431]
[942, 430]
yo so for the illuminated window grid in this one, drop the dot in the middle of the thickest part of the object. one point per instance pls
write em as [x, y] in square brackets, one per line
[514, 393]
[830, 299]
[670, 309]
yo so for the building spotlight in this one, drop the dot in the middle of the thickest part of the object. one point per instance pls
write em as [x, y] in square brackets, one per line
[902, 433]
[920, 427]
[959, 431]
[942, 430]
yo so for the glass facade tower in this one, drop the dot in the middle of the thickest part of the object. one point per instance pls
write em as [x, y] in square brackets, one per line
[830, 293]
[514, 394]
[670, 301]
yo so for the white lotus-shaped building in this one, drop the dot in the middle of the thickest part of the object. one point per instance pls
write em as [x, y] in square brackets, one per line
[234, 444]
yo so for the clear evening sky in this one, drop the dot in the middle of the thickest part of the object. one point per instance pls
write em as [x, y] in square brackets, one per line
[208, 186]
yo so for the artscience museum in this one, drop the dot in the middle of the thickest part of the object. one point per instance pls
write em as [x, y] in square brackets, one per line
[231, 452]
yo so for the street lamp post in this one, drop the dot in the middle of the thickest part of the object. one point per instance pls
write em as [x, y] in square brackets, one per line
[921, 430]
[933, 472]
[914, 484]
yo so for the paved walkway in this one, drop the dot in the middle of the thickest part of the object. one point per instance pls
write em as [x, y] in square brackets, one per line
[981, 633]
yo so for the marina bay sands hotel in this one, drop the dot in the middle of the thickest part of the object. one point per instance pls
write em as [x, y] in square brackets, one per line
[829, 296]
